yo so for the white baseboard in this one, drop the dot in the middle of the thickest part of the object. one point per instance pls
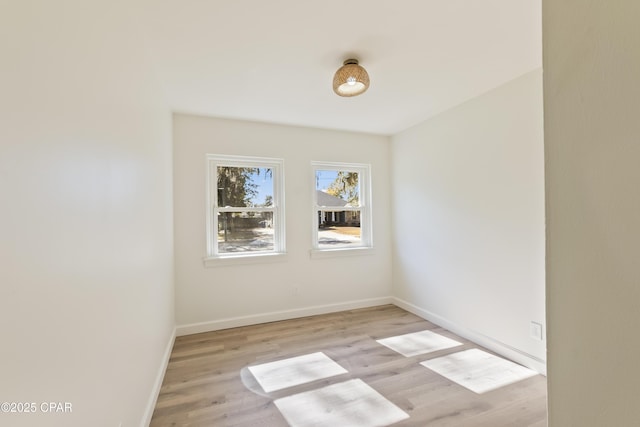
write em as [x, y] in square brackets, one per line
[155, 391]
[492, 344]
[274, 316]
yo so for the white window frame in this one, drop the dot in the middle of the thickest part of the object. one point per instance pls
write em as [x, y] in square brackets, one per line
[213, 257]
[365, 208]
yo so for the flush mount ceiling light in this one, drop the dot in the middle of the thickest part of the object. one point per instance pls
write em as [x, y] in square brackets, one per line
[350, 79]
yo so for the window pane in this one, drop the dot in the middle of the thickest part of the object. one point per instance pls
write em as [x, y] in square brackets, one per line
[338, 229]
[337, 188]
[342, 211]
[245, 232]
[244, 187]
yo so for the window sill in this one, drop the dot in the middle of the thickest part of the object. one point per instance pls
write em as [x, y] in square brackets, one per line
[337, 253]
[244, 259]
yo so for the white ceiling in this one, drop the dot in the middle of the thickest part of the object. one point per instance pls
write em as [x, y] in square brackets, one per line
[273, 60]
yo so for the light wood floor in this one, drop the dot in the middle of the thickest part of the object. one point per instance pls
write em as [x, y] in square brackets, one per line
[207, 382]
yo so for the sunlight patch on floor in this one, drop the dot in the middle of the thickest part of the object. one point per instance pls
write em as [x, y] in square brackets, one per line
[418, 343]
[294, 371]
[348, 404]
[478, 371]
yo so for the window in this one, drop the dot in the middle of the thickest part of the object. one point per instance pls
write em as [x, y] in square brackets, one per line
[342, 206]
[245, 207]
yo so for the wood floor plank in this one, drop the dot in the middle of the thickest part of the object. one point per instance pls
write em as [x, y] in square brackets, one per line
[207, 382]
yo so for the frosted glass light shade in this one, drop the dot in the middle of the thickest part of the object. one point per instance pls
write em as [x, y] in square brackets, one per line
[350, 79]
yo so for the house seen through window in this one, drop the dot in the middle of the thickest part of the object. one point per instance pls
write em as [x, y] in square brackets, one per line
[341, 206]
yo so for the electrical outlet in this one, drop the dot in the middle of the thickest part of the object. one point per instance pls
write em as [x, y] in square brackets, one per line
[535, 330]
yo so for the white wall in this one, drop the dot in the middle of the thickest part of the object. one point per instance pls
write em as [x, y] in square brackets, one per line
[468, 218]
[592, 145]
[86, 275]
[214, 297]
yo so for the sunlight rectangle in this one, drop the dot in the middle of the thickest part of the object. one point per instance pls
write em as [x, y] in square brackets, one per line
[418, 343]
[348, 404]
[478, 370]
[294, 371]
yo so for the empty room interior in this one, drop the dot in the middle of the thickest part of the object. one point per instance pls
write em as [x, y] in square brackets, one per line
[343, 213]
